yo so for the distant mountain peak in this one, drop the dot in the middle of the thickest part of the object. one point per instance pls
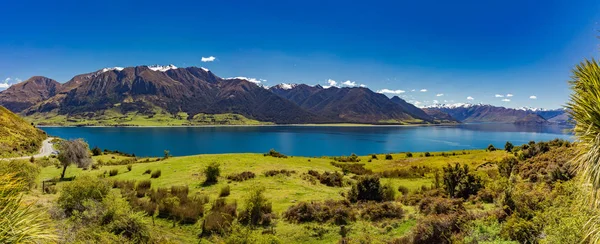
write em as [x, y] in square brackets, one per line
[455, 105]
[162, 68]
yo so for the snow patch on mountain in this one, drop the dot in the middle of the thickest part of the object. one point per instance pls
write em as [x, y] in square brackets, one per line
[162, 68]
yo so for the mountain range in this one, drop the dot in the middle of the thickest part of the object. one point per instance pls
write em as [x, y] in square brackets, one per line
[192, 95]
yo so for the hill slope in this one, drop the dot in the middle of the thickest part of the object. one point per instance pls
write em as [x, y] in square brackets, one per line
[17, 136]
[479, 113]
[27, 93]
[354, 104]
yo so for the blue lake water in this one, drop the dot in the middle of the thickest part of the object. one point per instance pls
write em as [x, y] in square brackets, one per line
[306, 140]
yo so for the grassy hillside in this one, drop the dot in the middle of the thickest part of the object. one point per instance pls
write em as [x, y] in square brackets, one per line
[113, 117]
[17, 136]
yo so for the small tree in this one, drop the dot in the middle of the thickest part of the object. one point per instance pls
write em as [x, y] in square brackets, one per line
[96, 151]
[491, 148]
[32, 159]
[367, 188]
[74, 152]
[506, 166]
[508, 146]
[459, 182]
[167, 154]
[258, 209]
[212, 173]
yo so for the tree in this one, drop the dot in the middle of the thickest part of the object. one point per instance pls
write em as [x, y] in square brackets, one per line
[508, 146]
[167, 154]
[459, 182]
[74, 152]
[584, 108]
[96, 151]
[506, 166]
[367, 188]
[212, 173]
[491, 148]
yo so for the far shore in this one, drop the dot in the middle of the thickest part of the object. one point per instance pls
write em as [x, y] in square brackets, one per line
[264, 125]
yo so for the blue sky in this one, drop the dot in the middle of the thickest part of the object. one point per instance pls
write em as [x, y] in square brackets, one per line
[460, 49]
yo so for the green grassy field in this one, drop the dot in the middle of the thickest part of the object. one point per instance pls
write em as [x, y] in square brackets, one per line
[112, 117]
[282, 191]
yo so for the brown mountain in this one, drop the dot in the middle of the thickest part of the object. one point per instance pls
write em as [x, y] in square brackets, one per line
[351, 104]
[479, 113]
[440, 116]
[25, 94]
[192, 90]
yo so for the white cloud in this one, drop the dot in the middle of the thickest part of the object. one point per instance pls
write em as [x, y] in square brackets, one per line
[423, 90]
[4, 85]
[253, 80]
[439, 95]
[208, 59]
[412, 90]
[470, 98]
[532, 97]
[18, 80]
[436, 101]
[363, 85]
[7, 82]
[349, 83]
[498, 95]
[388, 91]
[509, 95]
[331, 83]
[506, 100]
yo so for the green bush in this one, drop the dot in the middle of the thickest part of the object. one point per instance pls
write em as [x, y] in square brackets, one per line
[388, 157]
[75, 193]
[220, 218]
[409, 155]
[22, 170]
[225, 191]
[460, 182]
[113, 172]
[388, 192]
[329, 211]
[258, 210]
[270, 173]
[129, 167]
[427, 154]
[147, 172]
[491, 148]
[367, 188]
[506, 166]
[241, 176]
[439, 205]
[403, 189]
[275, 154]
[212, 173]
[155, 174]
[378, 211]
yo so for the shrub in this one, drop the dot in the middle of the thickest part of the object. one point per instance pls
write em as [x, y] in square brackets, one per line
[508, 146]
[352, 158]
[354, 168]
[220, 218]
[258, 210]
[337, 212]
[270, 173]
[388, 157]
[155, 174]
[378, 211]
[491, 148]
[147, 172]
[21, 170]
[373, 156]
[459, 182]
[427, 154]
[129, 167]
[96, 151]
[388, 192]
[520, 230]
[275, 154]
[212, 173]
[403, 189]
[367, 188]
[113, 172]
[95, 166]
[334, 179]
[241, 176]
[439, 205]
[409, 155]
[506, 166]
[225, 191]
[142, 187]
[435, 229]
[75, 193]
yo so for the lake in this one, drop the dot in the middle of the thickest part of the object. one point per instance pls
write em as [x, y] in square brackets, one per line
[306, 140]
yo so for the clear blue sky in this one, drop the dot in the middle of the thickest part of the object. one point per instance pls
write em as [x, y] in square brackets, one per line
[456, 48]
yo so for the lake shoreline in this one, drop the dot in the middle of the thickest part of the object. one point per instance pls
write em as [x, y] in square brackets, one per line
[266, 125]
